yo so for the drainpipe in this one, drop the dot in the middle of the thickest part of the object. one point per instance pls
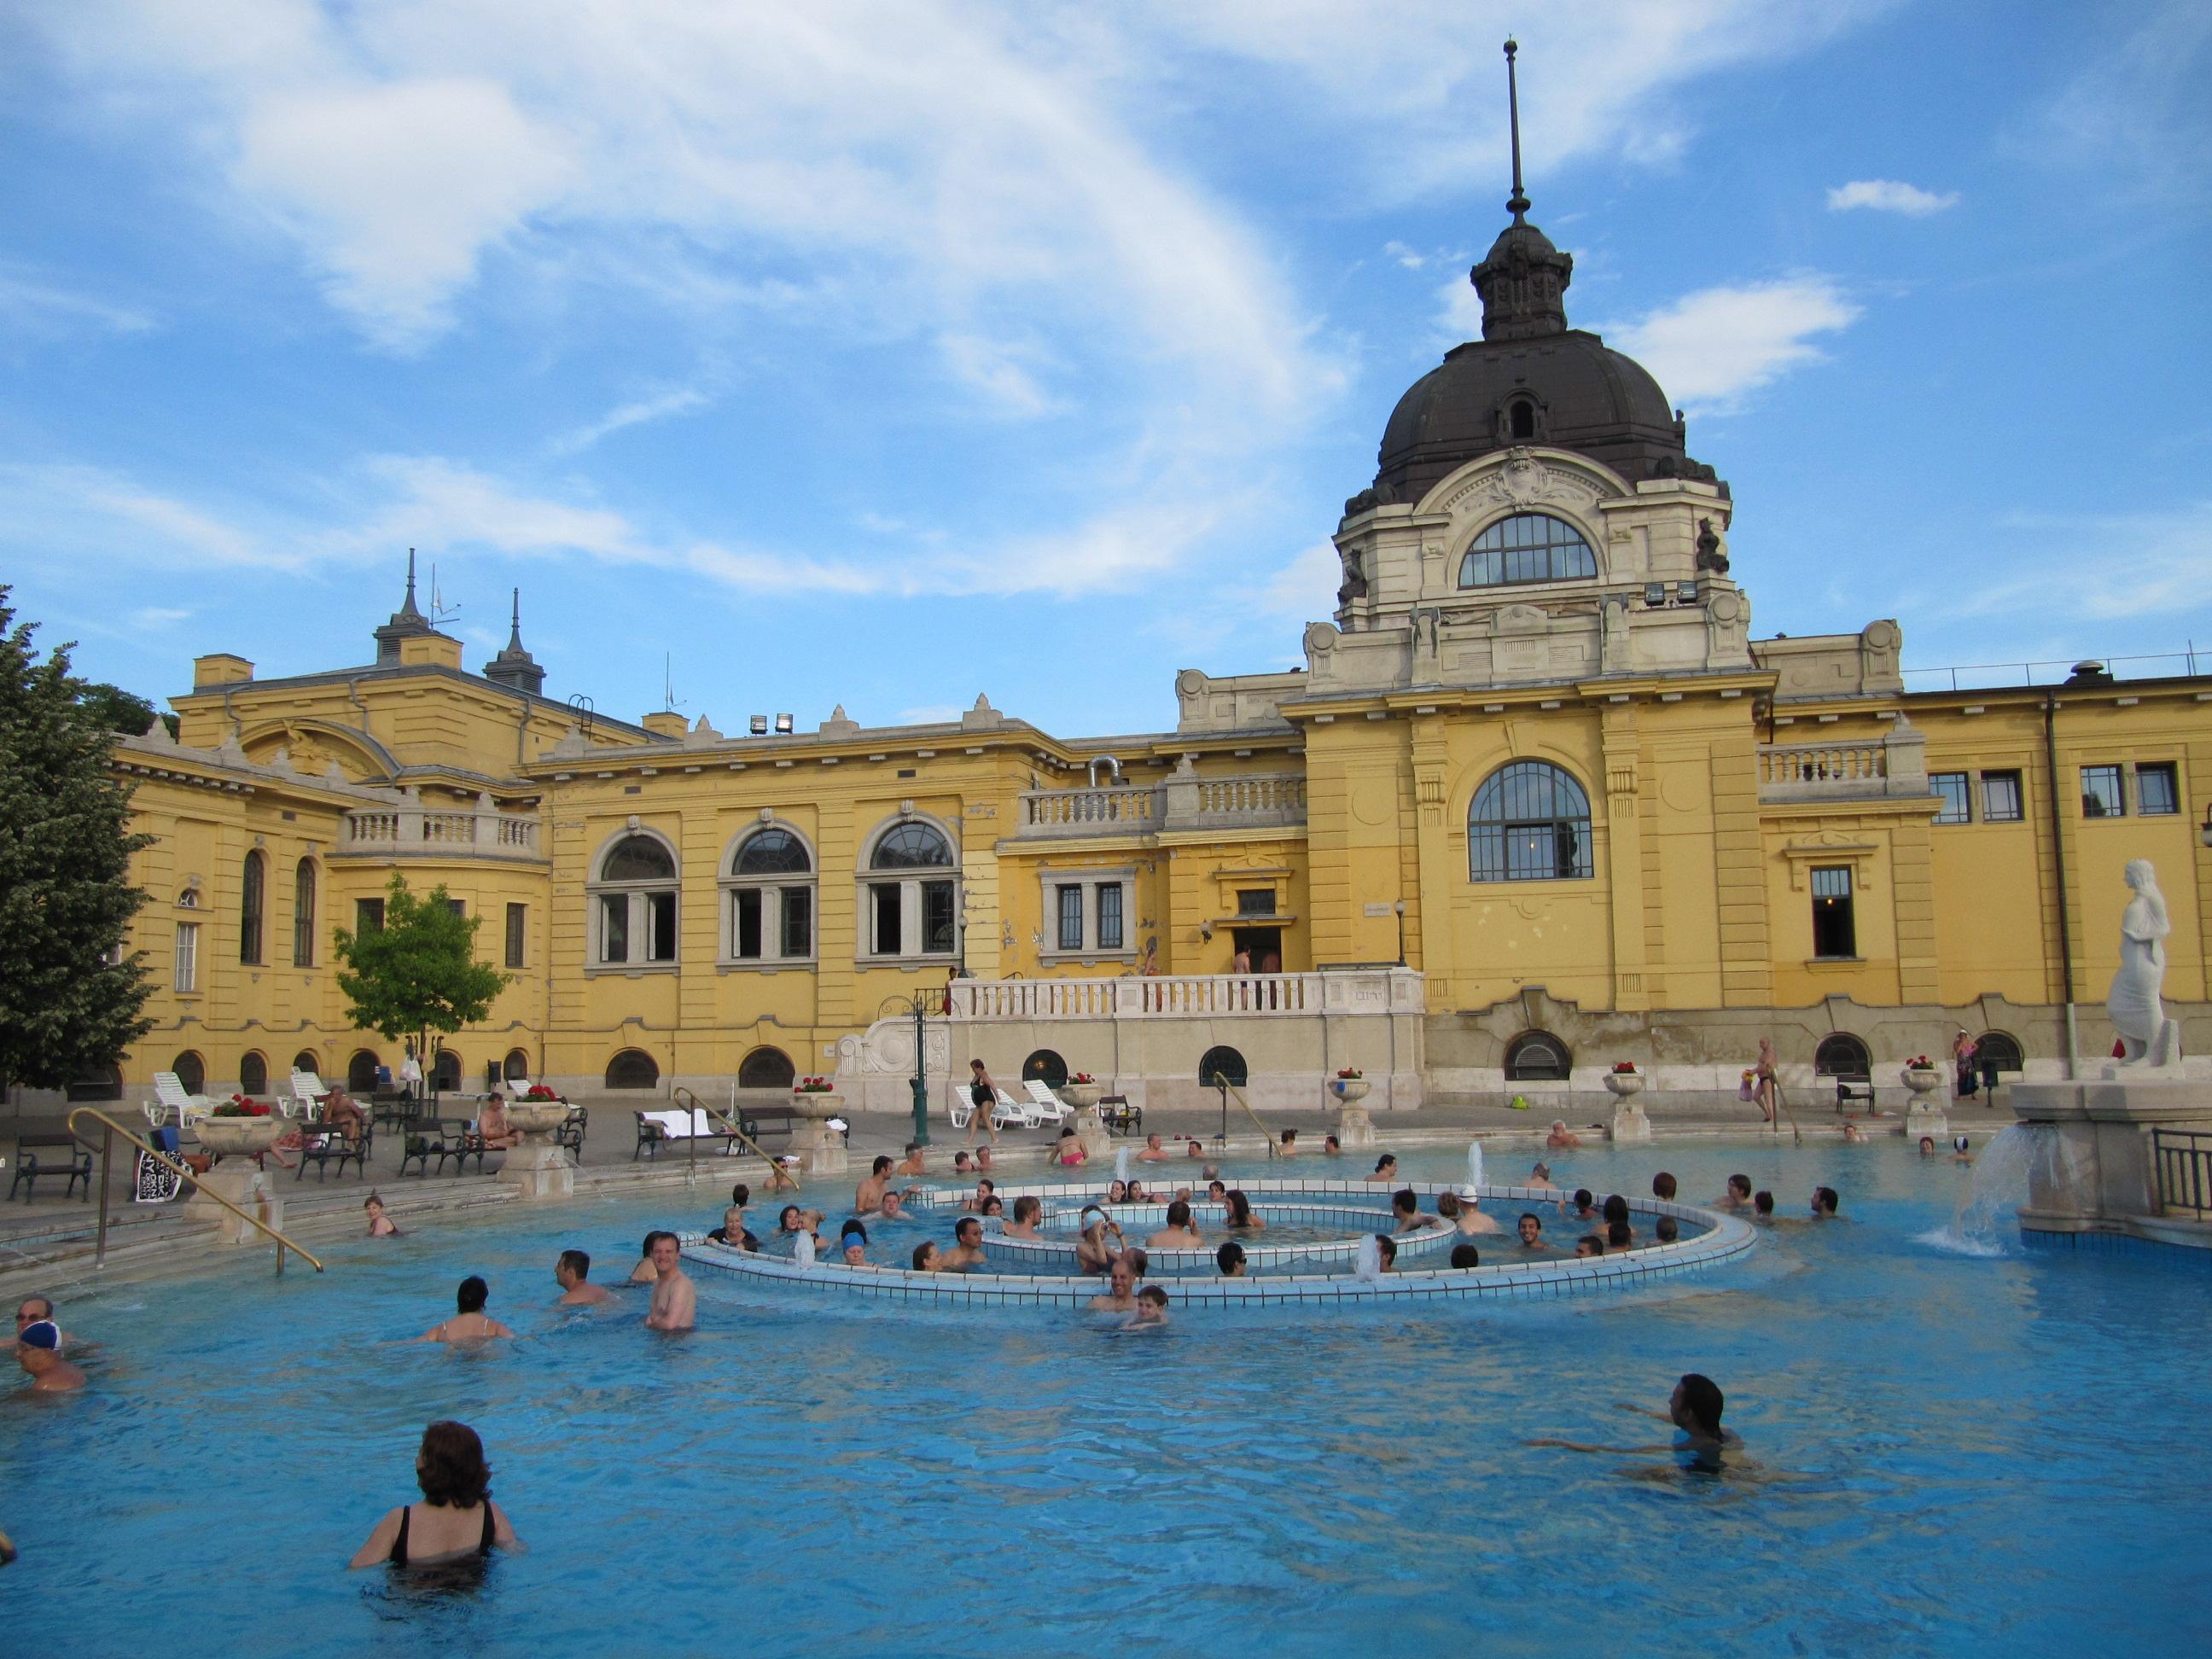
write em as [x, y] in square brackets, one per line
[2058, 867]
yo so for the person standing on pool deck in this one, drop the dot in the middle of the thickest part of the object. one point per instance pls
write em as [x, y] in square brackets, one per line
[456, 1520]
[38, 1351]
[572, 1272]
[984, 1094]
[470, 1324]
[675, 1302]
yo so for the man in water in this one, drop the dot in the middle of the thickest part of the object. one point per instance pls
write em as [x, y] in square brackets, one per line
[914, 1164]
[1585, 1205]
[1539, 1179]
[1589, 1244]
[1466, 1256]
[1762, 1206]
[1738, 1194]
[1024, 1224]
[869, 1194]
[1824, 1203]
[38, 1351]
[1229, 1258]
[1330, 1148]
[1153, 1151]
[963, 1163]
[470, 1324]
[572, 1272]
[1531, 1235]
[1385, 1168]
[29, 1311]
[966, 1246]
[1121, 1296]
[1667, 1230]
[1562, 1138]
[675, 1302]
[985, 1159]
[1464, 1212]
[1406, 1210]
[1179, 1234]
[893, 1206]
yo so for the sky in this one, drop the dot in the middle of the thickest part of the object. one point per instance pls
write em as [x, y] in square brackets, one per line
[884, 354]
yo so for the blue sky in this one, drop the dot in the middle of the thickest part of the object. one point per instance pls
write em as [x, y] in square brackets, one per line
[883, 354]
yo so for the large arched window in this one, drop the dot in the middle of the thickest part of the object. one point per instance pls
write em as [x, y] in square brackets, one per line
[767, 1068]
[361, 1071]
[253, 1073]
[633, 1068]
[2001, 1048]
[910, 895]
[1537, 1057]
[446, 1072]
[190, 1070]
[1842, 1055]
[303, 915]
[633, 903]
[768, 906]
[252, 902]
[1222, 1065]
[1528, 547]
[1047, 1068]
[1529, 822]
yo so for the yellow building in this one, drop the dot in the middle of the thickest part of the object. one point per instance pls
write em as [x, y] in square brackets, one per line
[1537, 802]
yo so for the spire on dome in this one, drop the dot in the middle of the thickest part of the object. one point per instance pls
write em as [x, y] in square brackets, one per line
[514, 666]
[1523, 279]
[405, 622]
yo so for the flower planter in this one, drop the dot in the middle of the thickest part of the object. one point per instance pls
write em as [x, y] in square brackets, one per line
[236, 1178]
[1624, 1084]
[539, 1167]
[1922, 1080]
[537, 1117]
[1080, 1095]
[240, 1137]
[1349, 1090]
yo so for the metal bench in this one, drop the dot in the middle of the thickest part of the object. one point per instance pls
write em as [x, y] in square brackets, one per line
[325, 1142]
[73, 1166]
[443, 1138]
[571, 1133]
[652, 1136]
[1115, 1113]
[1851, 1089]
[390, 1106]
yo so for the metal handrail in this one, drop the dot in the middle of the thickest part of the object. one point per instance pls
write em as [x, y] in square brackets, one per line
[778, 1178]
[183, 1172]
[1221, 1082]
[2181, 1162]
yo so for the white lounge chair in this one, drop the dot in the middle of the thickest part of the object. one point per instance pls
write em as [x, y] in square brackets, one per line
[190, 1109]
[1047, 1106]
[308, 1089]
[1005, 1113]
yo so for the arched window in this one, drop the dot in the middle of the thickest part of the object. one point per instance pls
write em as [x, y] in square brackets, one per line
[445, 1073]
[1528, 547]
[1523, 418]
[105, 1083]
[633, 900]
[361, 1071]
[517, 1065]
[915, 913]
[1047, 1067]
[252, 900]
[307, 1060]
[767, 1068]
[1537, 1057]
[1529, 822]
[253, 1074]
[191, 1072]
[768, 907]
[2002, 1048]
[1842, 1055]
[1222, 1065]
[633, 1068]
[303, 915]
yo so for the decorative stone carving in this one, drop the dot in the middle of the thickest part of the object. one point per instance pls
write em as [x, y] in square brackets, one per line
[2138, 1013]
[1710, 554]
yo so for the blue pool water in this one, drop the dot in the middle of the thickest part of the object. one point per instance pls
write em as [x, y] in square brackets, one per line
[1953, 1452]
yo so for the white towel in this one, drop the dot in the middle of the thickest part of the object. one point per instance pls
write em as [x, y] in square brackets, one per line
[678, 1126]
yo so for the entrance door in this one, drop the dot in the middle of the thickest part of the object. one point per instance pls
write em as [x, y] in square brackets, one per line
[1261, 946]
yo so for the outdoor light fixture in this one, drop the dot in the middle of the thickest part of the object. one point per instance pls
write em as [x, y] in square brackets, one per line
[783, 725]
[1655, 594]
[1687, 592]
[760, 725]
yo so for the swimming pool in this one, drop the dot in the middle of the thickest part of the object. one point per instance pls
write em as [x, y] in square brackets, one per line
[1955, 1452]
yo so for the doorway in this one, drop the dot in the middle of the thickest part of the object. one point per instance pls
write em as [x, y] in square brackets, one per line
[1261, 946]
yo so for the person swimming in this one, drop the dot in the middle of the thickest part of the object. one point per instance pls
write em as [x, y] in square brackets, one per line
[457, 1519]
[38, 1352]
[1385, 1168]
[1694, 1408]
[1120, 1295]
[572, 1272]
[1406, 1210]
[380, 1225]
[1093, 1255]
[1229, 1258]
[1464, 1212]
[1027, 1209]
[1152, 1309]
[966, 1250]
[1466, 1256]
[675, 1305]
[469, 1322]
[1825, 1202]
[1180, 1234]
[1531, 1230]
[853, 1242]
[1240, 1216]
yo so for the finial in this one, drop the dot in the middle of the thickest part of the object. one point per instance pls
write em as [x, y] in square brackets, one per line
[514, 633]
[1519, 205]
[410, 578]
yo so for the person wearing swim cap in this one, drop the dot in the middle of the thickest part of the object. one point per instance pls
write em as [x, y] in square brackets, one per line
[30, 1309]
[853, 1241]
[38, 1351]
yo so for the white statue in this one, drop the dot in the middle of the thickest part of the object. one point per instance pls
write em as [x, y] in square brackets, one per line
[2138, 1015]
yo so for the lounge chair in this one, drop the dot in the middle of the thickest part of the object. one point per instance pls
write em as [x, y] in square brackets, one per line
[1006, 1114]
[308, 1089]
[169, 1090]
[1047, 1106]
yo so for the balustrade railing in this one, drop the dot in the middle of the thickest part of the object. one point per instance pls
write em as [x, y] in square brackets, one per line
[1858, 763]
[1261, 800]
[401, 832]
[1131, 808]
[2182, 1159]
[1178, 996]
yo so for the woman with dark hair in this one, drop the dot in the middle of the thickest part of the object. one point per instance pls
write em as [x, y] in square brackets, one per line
[469, 1322]
[456, 1520]
[1241, 1217]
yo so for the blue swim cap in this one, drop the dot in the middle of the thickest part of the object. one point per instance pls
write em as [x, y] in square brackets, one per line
[41, 1334]
[850, 1239]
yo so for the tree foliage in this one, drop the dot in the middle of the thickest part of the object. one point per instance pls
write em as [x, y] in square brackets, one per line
[119, 710]
[67, 1012]
[418, 973]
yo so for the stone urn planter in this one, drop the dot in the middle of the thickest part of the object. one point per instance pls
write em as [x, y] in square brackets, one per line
[1624, 1084]
[539, 1167]
[1080, 1095]
[1922, 1080]
[1089, 1128]
[1924, 1111]
[1354, 1126]
[239, 1139]
[821, 1149]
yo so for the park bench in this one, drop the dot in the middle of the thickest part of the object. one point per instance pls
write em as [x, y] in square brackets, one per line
[653, 1132]
[443, 1138]
[73, 1165]
[1117, 1114]
[1851, 1089]
[324, 1142]
[571, 1134]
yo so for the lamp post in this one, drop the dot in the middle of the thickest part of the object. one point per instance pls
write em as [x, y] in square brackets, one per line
[915, 1007]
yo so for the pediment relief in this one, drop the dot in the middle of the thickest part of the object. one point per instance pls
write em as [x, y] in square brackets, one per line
[312, 748]
[1519, 619]
[1523, 478]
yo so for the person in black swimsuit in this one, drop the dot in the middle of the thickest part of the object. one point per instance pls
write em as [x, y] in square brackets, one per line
[456, 1520]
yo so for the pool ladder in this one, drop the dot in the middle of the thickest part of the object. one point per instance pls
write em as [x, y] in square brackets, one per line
[779, 1179]
[110, 1129]
[1221, 1082]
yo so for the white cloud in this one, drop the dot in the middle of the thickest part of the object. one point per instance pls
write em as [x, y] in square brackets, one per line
[50, 509]
[1304, 590]
[148, 616]
[996, 368]
[31, 303]
[1405, 255]
[2136, 113]
[1889, 196]
[2156, 564]
[1459, 311]
[1714, 347]
[639, 412]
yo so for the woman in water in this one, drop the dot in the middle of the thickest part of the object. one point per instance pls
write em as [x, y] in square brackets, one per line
[1093, 1255]
[792, 1221]
[456, 1520]
[1070, 1151]
[380, 1225]
[1241, 1218]
[1117, 1191]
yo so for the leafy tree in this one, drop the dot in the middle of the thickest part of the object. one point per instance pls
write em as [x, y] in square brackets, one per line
[67, 1011]
[418, 973]
[119, 710]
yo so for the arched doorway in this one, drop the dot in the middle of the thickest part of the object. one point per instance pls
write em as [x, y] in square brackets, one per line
[191, 1072]
[1224, 1065]
[633, 1068]
[1047, 1067]
[446, 1074]
[516, 1065]
[1537, 1057]
[1842, 1055]
[767, 1068]
[253, 1074]
[361, 1071]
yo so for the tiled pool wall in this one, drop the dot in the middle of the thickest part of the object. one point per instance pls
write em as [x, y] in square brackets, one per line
[1723, 1237]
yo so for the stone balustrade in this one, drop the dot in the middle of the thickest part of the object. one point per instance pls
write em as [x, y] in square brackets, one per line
[1890, 767]
[1184, 801]
[412, 830]
[1188, 996]
[1123, 808]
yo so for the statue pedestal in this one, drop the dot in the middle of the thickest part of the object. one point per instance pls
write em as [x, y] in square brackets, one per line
[1629, 1122]
[251, 1189]
[1354, 1127]
[1091, 1129]
[2093, 1170]
[821, 1149]
[1923, 1117]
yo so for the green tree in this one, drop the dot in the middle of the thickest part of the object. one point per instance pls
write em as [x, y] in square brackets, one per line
[70, 998]
[119, 710]
[418, 973]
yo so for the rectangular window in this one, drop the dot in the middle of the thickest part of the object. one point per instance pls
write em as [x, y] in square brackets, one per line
[188, 956]
[940, 934]
[614, 928]
[459, 907]
[1957, 802]
[1260, 902]
[883, 900]
[2102, 796]
[517, 922]
[745, 922]
[369, 915]
[1070, 918]
[798, 922]
[660, 927]
[1109, 916]
[2001, 802]
[2157, 795]
[1834, 933]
